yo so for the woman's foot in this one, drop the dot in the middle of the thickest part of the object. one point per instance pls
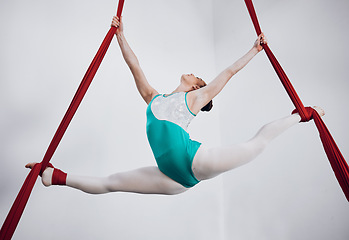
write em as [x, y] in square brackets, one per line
[47, 175]
[319, 110]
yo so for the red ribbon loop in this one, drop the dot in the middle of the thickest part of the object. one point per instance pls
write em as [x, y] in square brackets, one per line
[308, 114]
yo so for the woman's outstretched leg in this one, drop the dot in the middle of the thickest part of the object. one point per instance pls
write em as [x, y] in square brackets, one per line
[147, 180]
[210, 162]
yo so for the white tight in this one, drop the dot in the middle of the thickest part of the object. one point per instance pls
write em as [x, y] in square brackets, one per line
[207, 163]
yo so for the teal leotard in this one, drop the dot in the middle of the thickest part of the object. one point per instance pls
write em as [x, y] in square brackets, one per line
[167, 120]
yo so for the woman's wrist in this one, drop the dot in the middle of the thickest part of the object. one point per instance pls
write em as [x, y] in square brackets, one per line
[254, 50]
[119, 34]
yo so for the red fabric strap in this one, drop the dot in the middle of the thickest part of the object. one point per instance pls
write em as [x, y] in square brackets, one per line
[48, 165]
[59, 177]
[337, 161]
[15, 213]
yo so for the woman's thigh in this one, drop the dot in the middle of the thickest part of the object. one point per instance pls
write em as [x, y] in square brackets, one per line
[209, 162]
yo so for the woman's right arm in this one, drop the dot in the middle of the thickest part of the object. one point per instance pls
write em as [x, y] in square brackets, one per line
[204, 95]
[147, 92]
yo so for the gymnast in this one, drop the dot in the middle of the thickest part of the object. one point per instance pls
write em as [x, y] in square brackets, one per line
[181, 162]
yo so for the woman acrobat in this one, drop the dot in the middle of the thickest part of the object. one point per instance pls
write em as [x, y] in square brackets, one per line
[181, 162]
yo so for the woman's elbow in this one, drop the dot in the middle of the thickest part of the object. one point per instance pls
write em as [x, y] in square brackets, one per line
[230, 72]
[133, 63]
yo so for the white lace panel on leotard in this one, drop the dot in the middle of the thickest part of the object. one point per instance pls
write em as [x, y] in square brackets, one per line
[173, 108]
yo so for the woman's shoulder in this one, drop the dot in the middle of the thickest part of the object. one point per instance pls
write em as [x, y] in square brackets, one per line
[153, 98]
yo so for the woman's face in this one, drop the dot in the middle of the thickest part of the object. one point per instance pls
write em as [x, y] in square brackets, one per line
[191, 80]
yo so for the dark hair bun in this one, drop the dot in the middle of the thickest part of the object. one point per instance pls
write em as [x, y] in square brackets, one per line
[207, 107]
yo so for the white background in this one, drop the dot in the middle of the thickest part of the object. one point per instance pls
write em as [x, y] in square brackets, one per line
[289, 192]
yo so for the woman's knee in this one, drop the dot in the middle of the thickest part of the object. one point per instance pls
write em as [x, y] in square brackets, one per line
[112, 183]
[256, 145]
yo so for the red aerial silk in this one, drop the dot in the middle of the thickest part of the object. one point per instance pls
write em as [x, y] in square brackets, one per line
[337, 161]
[18, 206]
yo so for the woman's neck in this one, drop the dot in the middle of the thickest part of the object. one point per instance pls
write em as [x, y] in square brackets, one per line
[181, 88]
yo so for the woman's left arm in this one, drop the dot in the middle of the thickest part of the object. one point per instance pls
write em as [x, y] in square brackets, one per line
[206, 94]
